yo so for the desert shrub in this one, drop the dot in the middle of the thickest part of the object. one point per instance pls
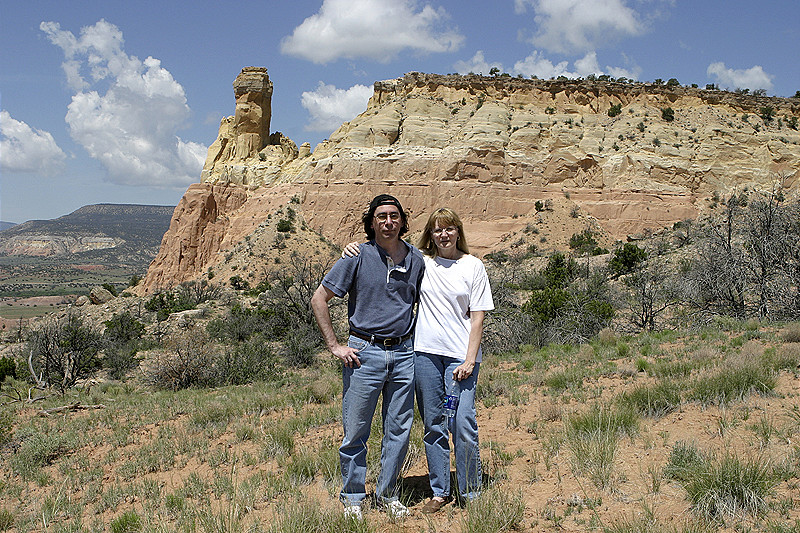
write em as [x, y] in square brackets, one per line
[668, 114]
[626, 258]
[248, 361]
[615, 110]
[791, 333]
[238, 283]
[118, 360]
[110, 288]
[166, 303]
[64, 350]
[122, 328]
[6, 426]
[241, 323]
[583, 242]
[284, 226]
[121, 338]
[730, 486]
[186, 361]
[8, 368]
[300, 345]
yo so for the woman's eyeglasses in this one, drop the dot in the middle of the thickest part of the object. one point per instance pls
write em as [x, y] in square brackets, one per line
[449, 230]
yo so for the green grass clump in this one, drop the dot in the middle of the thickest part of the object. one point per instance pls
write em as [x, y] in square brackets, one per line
[127, 522]
[653, 400]
[734, 382]
[304, 516]
[565, 379]
[6, 520]
[494, 510]
[729, 486]
[684, 459]
[593, 437]
[670, 369]
[40, 449]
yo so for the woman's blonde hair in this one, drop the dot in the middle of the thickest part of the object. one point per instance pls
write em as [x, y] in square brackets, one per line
[444, 216]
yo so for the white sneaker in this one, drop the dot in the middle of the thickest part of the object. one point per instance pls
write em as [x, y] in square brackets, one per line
[353, 511]
[395, 509]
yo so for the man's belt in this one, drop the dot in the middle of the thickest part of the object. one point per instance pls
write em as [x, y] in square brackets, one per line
[383, 341]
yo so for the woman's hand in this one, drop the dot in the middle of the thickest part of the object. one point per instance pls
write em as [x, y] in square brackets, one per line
[463, 371]
[351, 250]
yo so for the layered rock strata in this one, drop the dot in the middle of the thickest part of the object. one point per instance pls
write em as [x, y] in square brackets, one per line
[491, 148]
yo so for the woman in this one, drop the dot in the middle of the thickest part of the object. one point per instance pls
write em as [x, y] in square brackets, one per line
[454, 296]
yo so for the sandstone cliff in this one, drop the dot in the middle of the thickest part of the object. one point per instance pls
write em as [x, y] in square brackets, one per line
[490, 148]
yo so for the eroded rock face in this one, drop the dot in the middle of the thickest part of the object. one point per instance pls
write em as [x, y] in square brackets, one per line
[491, 148]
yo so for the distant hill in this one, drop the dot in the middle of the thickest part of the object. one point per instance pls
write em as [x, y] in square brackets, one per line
[134, 228]
[6, 225]
[93, 245]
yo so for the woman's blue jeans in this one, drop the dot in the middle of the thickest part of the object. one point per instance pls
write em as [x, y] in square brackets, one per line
[434, 376]
[387, 371]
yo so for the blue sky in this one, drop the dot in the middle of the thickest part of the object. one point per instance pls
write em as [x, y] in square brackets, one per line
[117, 101]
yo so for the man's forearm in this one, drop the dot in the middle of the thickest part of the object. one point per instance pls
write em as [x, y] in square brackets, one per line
[319, 305]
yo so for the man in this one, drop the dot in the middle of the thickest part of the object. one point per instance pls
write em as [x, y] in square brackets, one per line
[382, 284]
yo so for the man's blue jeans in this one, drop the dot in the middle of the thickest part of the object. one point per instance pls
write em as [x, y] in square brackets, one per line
[383, 371]
[434, 376]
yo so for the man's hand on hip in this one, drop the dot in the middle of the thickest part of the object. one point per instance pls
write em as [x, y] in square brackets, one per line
[348, 355]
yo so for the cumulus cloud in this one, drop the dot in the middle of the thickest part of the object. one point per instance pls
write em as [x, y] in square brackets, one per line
[126, 112]
[477, 65]
[570, 26]
[751, 78]
[24, 149]
[536, 64]
[375, 29]
[329, 107]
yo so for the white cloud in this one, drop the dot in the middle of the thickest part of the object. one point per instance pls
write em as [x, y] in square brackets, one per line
[329, 107]
[375, 29]
[24, 149]
[568, 26]
[476, 65]
[751, 78]
[536, 64]
[131, 127]
[541, 67]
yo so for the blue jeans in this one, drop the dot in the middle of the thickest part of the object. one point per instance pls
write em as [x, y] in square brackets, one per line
[434, 377]
[386, 371]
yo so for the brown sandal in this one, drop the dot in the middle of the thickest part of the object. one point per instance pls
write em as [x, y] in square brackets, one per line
[433, 505]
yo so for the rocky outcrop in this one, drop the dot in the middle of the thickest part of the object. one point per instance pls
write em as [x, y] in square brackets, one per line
[491, 148]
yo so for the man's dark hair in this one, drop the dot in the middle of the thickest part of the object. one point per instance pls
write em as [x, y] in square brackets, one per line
[382, 199]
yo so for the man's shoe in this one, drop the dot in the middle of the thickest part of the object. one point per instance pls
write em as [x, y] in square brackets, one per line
[395, 509]
[353, 511]
[433, 506]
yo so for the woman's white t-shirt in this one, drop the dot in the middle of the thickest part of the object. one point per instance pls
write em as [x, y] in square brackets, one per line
[449, 290]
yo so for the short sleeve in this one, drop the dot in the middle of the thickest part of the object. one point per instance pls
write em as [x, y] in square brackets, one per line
[481, 294]
[340, 278]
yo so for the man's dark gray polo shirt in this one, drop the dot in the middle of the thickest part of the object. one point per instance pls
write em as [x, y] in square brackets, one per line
[380, 297]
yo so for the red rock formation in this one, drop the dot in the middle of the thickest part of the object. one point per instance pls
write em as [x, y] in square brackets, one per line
[489, 148]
